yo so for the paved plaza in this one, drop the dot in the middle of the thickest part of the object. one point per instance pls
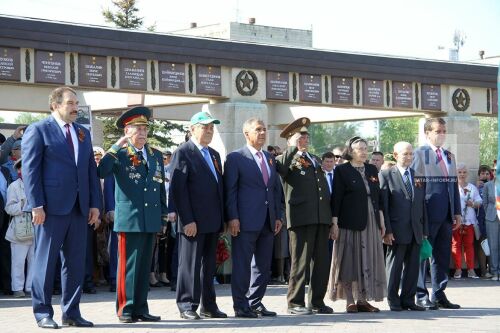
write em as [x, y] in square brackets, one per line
[480, 312]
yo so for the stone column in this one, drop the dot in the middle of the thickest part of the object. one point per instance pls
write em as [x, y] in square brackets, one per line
[462, 139]
[229, 134]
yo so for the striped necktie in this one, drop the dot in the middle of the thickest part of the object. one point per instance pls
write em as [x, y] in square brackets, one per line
[408, 184]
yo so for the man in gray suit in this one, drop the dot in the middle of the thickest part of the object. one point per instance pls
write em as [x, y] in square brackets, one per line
[406, 226]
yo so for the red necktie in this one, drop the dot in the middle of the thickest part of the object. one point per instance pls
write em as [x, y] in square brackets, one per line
[69, 141]
[442, 166]
[263, 167]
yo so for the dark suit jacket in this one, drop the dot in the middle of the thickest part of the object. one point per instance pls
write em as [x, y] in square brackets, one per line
[306, 191]
[441, 191]
[350, 199]
[51, 177]
[404, 218]
[197, 196]
[247, 197]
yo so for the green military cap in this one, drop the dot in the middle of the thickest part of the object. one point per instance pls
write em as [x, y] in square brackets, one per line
[203, 118]
[138, 115]
[297, 126]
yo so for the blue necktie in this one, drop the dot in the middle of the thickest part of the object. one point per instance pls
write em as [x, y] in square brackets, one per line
[330, 176]
[206, 156]
[408, 184]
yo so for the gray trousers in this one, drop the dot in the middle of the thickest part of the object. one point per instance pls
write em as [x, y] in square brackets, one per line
[493, 232]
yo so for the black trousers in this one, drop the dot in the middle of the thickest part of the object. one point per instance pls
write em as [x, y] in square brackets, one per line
[309, 259]
[195, 278]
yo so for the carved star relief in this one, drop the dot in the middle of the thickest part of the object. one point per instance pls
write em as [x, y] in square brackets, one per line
[460, 99]
[246, 81]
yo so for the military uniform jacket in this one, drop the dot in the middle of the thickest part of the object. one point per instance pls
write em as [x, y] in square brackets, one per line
[140, 197]
[306, 190]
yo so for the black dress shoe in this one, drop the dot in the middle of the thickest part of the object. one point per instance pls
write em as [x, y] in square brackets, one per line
[212, 314]
[427, 304]
[299, 310]
[324, 309]
[156, 285]
[263, 312]
[445, 304]
[396, 307]
[89, 290]
[126, 319]
[78, 322]
[47, 322]
[245, 313]
[189, 315]
[413, 307]
[146, 317]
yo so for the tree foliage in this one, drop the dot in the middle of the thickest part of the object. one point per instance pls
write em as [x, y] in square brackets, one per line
[395, 130]
[26, 118]
[125, 15]
[325, 137]
[488, 140]
[158, 135]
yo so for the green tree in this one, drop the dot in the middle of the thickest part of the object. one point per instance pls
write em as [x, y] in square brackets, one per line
[395, 130]
[125, 15]
[325, 137]
[158, 135]
[29, 118]
[488, 140]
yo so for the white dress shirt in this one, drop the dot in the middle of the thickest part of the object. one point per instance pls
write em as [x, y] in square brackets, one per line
[74, 137]
[258, 160]
[443, 155]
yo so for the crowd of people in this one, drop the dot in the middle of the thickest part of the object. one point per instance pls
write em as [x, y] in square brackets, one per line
[348, 224]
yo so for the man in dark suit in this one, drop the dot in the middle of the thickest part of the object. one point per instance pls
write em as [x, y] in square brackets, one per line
[197, 191]
[405, 227]
[253, 199]
[61, 185]
[140, 211]
[309, 219]
[437, 165]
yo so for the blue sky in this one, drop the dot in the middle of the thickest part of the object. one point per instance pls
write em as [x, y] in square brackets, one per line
[402, 28]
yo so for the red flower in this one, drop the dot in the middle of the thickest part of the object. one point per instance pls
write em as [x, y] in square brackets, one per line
[81, 135]
[222, 252]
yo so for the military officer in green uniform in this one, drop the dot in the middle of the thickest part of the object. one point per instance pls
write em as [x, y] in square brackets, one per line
[140, 211]
[309, 218]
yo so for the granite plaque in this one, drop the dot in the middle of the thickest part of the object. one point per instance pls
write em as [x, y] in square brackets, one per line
[49, 67]
[310, 88]
[92, 71]
[172, 77]
[133, 74]
[342, 90]
[373, 93]
[208, 80]
[277, 86]
[10, 66]
[402, 95]
[494, 107]
[431, 97]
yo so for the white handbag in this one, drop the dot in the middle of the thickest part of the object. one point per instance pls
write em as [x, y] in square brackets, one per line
[486, 247]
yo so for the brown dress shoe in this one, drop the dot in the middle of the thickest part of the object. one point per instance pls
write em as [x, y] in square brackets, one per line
[352, 308]
[366, 307]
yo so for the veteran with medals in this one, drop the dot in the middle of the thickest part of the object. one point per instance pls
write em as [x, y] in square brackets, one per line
[140, 211]
[309, 218]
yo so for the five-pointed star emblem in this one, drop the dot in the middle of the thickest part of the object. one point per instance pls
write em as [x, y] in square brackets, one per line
[460, 99]
[246, 81]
